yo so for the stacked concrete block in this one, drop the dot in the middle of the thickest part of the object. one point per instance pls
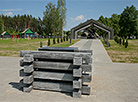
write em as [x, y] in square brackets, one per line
[57, 69]
[27, 73]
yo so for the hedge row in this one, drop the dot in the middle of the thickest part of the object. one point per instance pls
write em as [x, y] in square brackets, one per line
[65, 38]
[121, 41]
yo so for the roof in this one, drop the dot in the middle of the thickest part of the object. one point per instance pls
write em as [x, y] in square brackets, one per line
[27, 30]
[5, 33]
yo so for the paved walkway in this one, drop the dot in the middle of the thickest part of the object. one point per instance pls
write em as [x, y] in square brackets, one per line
[112, 82]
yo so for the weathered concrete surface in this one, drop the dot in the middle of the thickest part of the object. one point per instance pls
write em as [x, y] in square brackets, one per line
[112, 82]
[60, 66]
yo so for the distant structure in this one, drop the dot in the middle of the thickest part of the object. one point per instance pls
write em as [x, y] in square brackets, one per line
[88, 23]
[5, 34]
[27, 33]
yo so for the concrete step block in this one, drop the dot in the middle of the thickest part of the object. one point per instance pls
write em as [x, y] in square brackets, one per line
[22, 73]
[77, 61]
[53, 86]
[77, 72]
[77, 84]
[76, 93]
[28, 89]
[65, 49]
[53, 66]
[86, 78]
[28, 58]
[86, 67]
[59, 76]
[60, 66]
[21, 63]
[28, 68]
[84, 51]
[53, 75]
[28, 79]
[58, 55]
[86, 89]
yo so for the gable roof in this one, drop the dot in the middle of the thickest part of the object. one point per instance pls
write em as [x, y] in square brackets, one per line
[27, 31]
[5, 33]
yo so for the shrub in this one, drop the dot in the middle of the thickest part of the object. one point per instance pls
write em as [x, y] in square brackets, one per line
[120, 41]
[54, 41]
[58, 40]
[126, 44]
[48, 42]
[123, 43]
[116, 39]
[61, 39]
[64, 38]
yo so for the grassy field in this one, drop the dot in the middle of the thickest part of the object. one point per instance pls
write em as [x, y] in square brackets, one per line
[119, 53]
[12, 47]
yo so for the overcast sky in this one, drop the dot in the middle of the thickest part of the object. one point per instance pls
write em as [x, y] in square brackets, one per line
[78, 11]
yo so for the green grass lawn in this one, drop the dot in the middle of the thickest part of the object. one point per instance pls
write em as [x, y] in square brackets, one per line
[12, 47]
[118, 53]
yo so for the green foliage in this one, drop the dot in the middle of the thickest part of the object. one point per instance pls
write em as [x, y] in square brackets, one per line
[49, 18]
[58, 40]
[54, 41]
[116, 39]
[61, 39]
[19, 23]
[55, 17]
[128, 21]
[115, 23]
[123, 43]
[124, 25]
[61, 8]
[1, 25]
[68, 33]
[10, 30]
[48, 42]
[126, 43]
[120, 41]
[64, 39]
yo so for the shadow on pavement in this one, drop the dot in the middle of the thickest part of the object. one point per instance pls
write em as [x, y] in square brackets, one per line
[16, 85]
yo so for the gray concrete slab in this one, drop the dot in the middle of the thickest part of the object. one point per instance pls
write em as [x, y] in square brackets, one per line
[112, 82]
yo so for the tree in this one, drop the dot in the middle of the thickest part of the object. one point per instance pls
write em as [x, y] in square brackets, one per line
[128, 21]
[55, 17]
[49, 18]
[99, 31]
[115, 23]
[1, 25]
[33, 24]
[61, 8]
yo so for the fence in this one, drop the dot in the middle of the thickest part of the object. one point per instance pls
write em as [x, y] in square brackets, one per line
[57, 69]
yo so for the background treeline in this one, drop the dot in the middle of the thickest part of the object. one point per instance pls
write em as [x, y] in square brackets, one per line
[18, 23]
[53, 21]
[124, 25]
